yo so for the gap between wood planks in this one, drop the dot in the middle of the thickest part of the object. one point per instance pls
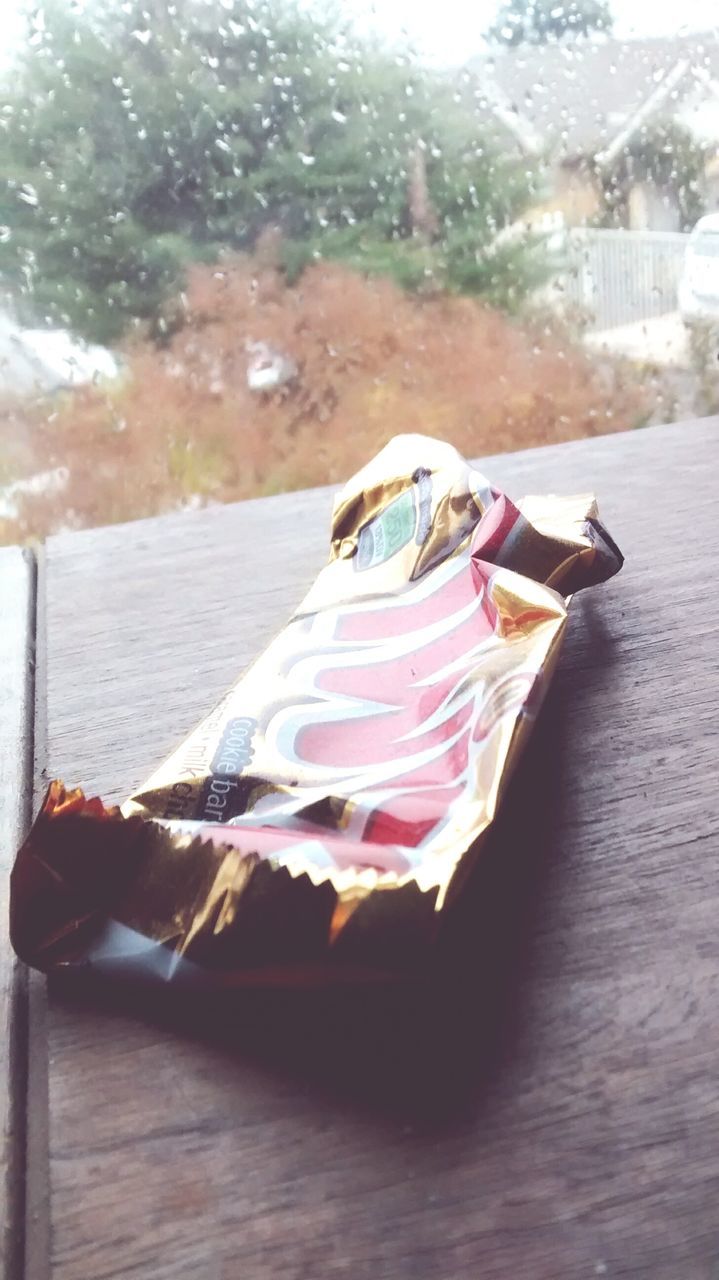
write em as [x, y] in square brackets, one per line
[17, 698]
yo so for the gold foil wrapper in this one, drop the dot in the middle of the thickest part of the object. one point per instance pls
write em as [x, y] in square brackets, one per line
[315, 825]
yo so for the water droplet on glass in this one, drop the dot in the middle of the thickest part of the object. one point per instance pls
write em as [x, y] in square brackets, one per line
[28, 194]
[5, 234]
[306, 160]
[143, 36]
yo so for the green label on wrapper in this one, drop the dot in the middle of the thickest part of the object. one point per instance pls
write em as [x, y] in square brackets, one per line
[391, 530]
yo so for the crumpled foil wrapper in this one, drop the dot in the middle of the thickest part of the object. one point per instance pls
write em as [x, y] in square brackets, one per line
[318, 822]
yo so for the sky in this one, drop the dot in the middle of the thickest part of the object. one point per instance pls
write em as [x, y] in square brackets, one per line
[448, 32]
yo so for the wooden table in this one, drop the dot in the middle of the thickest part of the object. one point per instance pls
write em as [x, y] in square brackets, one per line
[548, 1107]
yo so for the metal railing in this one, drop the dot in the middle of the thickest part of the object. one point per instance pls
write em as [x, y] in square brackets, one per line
[621, 277]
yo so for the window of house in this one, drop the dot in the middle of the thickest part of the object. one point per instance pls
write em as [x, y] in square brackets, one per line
[244, 242]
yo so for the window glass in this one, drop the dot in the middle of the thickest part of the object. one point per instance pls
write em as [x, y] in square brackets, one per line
[244, 242]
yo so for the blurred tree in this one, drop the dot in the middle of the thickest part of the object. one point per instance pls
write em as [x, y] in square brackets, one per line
[137, 137]
[538, 21]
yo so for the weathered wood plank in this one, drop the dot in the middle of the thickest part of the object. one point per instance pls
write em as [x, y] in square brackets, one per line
[17, 589]
[575, 1134]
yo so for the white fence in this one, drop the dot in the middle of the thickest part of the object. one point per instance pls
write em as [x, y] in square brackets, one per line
[620, 277]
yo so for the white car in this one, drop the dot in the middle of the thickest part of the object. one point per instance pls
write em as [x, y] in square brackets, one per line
[699, 283]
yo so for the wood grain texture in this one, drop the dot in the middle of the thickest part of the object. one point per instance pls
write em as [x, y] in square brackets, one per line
[17, 588]
[548, 1107]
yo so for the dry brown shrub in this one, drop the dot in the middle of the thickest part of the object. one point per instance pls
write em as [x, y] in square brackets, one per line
[372, 361]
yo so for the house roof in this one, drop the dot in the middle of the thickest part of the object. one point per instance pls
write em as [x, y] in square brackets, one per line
[579, 96]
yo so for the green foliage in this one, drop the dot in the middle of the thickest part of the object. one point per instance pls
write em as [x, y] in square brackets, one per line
[538, 21]
[666, 155]
[461, 262]
[473, 193]
[132, 143]
[409, 262]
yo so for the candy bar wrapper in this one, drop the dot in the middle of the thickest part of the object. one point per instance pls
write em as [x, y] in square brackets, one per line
[318, 822]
